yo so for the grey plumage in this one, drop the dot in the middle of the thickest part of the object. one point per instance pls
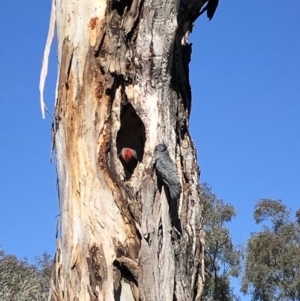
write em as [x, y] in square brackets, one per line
[167, 170]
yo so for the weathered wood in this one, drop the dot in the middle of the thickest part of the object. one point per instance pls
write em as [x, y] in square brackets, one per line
[124, 82]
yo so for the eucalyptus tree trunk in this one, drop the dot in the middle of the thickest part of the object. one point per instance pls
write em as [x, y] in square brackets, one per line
[124, 82]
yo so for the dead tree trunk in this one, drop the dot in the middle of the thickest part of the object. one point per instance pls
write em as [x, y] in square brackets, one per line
[124, 82]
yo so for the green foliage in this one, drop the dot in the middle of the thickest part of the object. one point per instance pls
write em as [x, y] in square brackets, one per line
[222, 258]
[21, 281]
[272, 266]
[274, 211]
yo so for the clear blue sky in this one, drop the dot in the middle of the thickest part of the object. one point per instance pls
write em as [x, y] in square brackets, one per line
[245, 121]
[245, 76]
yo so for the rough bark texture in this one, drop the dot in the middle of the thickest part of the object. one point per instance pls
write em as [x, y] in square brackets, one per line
[124, 82]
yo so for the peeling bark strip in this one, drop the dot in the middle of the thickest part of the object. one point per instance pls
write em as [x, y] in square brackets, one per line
[124, 83]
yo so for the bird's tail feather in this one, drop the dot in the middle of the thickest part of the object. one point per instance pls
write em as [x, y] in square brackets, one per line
[175, 191]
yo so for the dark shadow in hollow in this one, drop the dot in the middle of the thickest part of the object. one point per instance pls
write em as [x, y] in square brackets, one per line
[131, 135]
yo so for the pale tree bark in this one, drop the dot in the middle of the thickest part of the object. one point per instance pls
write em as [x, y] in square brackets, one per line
[124, 82]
